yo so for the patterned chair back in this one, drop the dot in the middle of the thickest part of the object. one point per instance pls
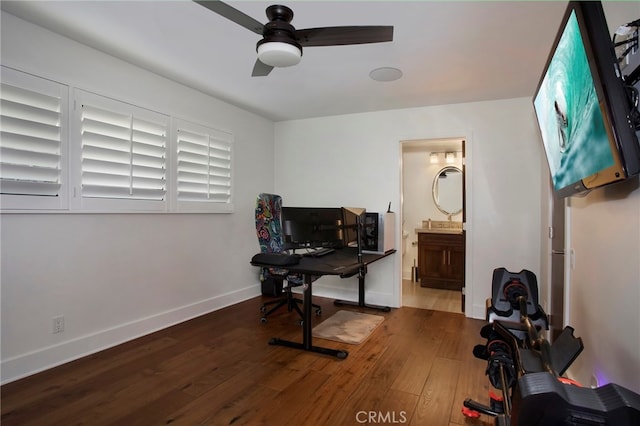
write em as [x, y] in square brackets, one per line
[268, 223]
[269, 230]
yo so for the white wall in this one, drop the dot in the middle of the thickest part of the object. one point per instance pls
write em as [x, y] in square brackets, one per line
[604, 290]
[118, 276]
[354, 160]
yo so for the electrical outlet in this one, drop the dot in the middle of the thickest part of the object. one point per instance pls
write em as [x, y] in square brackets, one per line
[58, 324]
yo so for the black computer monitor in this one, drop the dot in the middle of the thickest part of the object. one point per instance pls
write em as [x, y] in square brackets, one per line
[312, 227]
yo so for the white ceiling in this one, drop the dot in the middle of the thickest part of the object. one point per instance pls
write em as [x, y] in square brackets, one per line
[449, 52]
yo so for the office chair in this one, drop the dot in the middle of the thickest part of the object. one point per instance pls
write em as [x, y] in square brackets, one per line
[269, 231]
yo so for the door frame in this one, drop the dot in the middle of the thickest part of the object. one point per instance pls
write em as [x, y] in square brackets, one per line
[467, 302]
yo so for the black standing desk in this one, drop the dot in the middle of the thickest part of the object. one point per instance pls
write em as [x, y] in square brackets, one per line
[343, 263]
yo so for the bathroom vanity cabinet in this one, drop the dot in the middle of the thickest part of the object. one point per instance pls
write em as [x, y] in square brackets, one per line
[441, 260]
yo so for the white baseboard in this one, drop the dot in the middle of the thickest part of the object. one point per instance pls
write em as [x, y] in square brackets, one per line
[406, 274]
[48, 357]
[479, 312]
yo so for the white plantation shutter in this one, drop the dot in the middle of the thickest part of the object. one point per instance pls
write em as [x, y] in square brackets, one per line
[33, 130]
[123, 151]
[203, 166]
[30, 142]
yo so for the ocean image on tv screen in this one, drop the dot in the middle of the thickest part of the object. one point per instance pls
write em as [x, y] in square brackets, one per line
[570, 118]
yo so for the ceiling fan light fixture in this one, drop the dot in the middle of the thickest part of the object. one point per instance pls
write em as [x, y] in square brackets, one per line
[279, 54]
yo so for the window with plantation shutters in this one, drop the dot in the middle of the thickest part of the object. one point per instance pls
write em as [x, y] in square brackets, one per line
[33, 144]
[67, 149]
[123, 154]
[203, 168]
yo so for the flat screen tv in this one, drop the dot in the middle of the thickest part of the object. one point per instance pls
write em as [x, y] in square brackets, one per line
[583, 107]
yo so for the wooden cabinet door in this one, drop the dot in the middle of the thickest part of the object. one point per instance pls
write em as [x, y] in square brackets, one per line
[435, 261]
[456, 263]
[441, 260]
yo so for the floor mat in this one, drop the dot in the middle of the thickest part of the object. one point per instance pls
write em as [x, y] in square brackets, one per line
[348, 327]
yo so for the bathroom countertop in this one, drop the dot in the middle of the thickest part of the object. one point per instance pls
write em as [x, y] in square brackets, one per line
[440, 227]
[438, 231]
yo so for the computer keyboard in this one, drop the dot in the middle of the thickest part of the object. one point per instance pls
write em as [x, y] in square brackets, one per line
[321, 251]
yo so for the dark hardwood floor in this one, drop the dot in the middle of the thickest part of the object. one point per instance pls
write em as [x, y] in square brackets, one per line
[416, 368]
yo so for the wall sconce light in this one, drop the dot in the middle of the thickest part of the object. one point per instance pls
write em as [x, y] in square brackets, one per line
[433, 158]
[450, 157]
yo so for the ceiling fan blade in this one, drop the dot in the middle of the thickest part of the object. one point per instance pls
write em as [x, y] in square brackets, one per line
[232, 14]
[337, 36]
[260, 69]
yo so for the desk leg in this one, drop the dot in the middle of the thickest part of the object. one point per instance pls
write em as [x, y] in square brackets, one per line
[360, 303]
[307, 344]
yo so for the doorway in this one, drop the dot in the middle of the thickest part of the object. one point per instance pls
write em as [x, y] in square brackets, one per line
[423, 162]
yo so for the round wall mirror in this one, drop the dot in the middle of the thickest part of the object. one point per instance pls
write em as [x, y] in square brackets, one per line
[447, 190]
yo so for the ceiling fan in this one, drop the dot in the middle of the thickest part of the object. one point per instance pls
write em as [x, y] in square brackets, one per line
[282, 44]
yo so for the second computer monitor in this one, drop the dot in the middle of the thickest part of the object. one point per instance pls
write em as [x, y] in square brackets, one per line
[352, 217]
